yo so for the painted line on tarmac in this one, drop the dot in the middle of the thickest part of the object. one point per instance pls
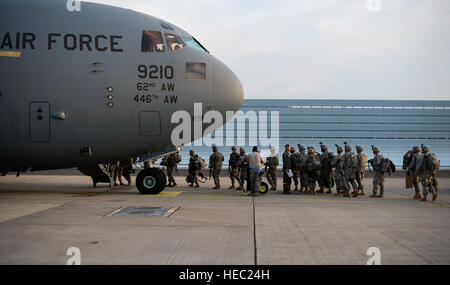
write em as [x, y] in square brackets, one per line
[166, 194]
[334, 201]
[435, 205]
[214, 196]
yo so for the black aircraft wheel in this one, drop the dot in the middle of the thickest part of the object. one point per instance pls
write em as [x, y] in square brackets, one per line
[263, 188]
[151, 181]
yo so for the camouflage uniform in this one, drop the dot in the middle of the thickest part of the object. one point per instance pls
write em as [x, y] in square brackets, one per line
[362, 161]
[286, 166]
[215, 163]
[295, 171]
[272, 164]
[232, 167]
[413, 168]
[193, 169]
[243, 168]
[171, 165]
[312, 167]
[378, 176]
[338, 164]
[350, 169]
[428, 174]
[325, 169]
[301, 161]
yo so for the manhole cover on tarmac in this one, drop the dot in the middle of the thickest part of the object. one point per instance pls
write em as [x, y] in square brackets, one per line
[143, 211]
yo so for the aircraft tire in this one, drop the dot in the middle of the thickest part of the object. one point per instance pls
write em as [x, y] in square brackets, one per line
[151, 181]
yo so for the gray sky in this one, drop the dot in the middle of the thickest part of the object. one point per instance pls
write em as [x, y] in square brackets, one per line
[321, 49]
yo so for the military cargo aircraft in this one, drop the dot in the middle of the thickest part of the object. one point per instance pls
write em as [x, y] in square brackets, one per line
[85, 88]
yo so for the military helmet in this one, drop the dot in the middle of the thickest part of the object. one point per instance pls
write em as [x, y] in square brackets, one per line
[293, 149]
[417, 148]
[425, 148]
[233, 148]
[242, 150]
[310, 150]
[360, 148]
[339, 148]
[215, 147]
[273, 148]
[348, 148]
[323, 147]
[287, 145]
[375, 149]
[301, 147]
[191, 152]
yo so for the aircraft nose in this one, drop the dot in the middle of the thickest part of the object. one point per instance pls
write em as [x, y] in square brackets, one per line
[228, 91]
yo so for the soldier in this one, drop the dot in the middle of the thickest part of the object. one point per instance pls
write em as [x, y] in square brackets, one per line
[378, 176]
[350, 169]
[243, 168]
[272, 164]
[429, 165]
[215, 165]
[301, 160]
[117, 173]
[325, 169]
[232, 166]
[338, 164]
[362, 161]
[255, 163]
[286, 168]
[295, 172]
[193, 169]
[312, 167]
[413, 168]
[172, 161]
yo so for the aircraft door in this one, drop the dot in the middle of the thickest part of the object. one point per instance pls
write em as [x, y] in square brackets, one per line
[39, 122]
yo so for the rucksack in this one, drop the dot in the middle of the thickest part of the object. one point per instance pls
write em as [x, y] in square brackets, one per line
[387, 166]
[178, 158]
[352, 160]
[407, 159]
[432, 163]
[202, 163]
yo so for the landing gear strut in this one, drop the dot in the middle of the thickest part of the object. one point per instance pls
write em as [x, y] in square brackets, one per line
[151, 181]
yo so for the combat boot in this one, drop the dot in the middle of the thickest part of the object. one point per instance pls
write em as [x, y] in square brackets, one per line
[362, 193]
[232, 187]
[346, 193]
[374, 195]
[380, 195]
[302, 189]
[329, 191]
[240, 187]
[296, 188]
[434, 196]
[174, 184]
[320, 190]
[417, 196]
[355, 193]
[424, 199]
[191, 185]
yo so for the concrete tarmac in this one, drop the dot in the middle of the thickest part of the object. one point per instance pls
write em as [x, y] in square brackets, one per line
[42, 216]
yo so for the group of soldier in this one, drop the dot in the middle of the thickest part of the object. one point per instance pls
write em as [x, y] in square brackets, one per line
[123, 169]
[421, 165]
[307, 169]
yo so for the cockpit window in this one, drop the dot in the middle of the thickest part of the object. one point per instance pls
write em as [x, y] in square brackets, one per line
[174, 42]
[192, 42]
[195, 71]
[152, 42]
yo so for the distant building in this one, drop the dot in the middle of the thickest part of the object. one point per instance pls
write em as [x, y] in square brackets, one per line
[393, 125]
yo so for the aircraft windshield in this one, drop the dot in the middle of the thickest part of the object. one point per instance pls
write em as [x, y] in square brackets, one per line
[174, 42]
[192, 42]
